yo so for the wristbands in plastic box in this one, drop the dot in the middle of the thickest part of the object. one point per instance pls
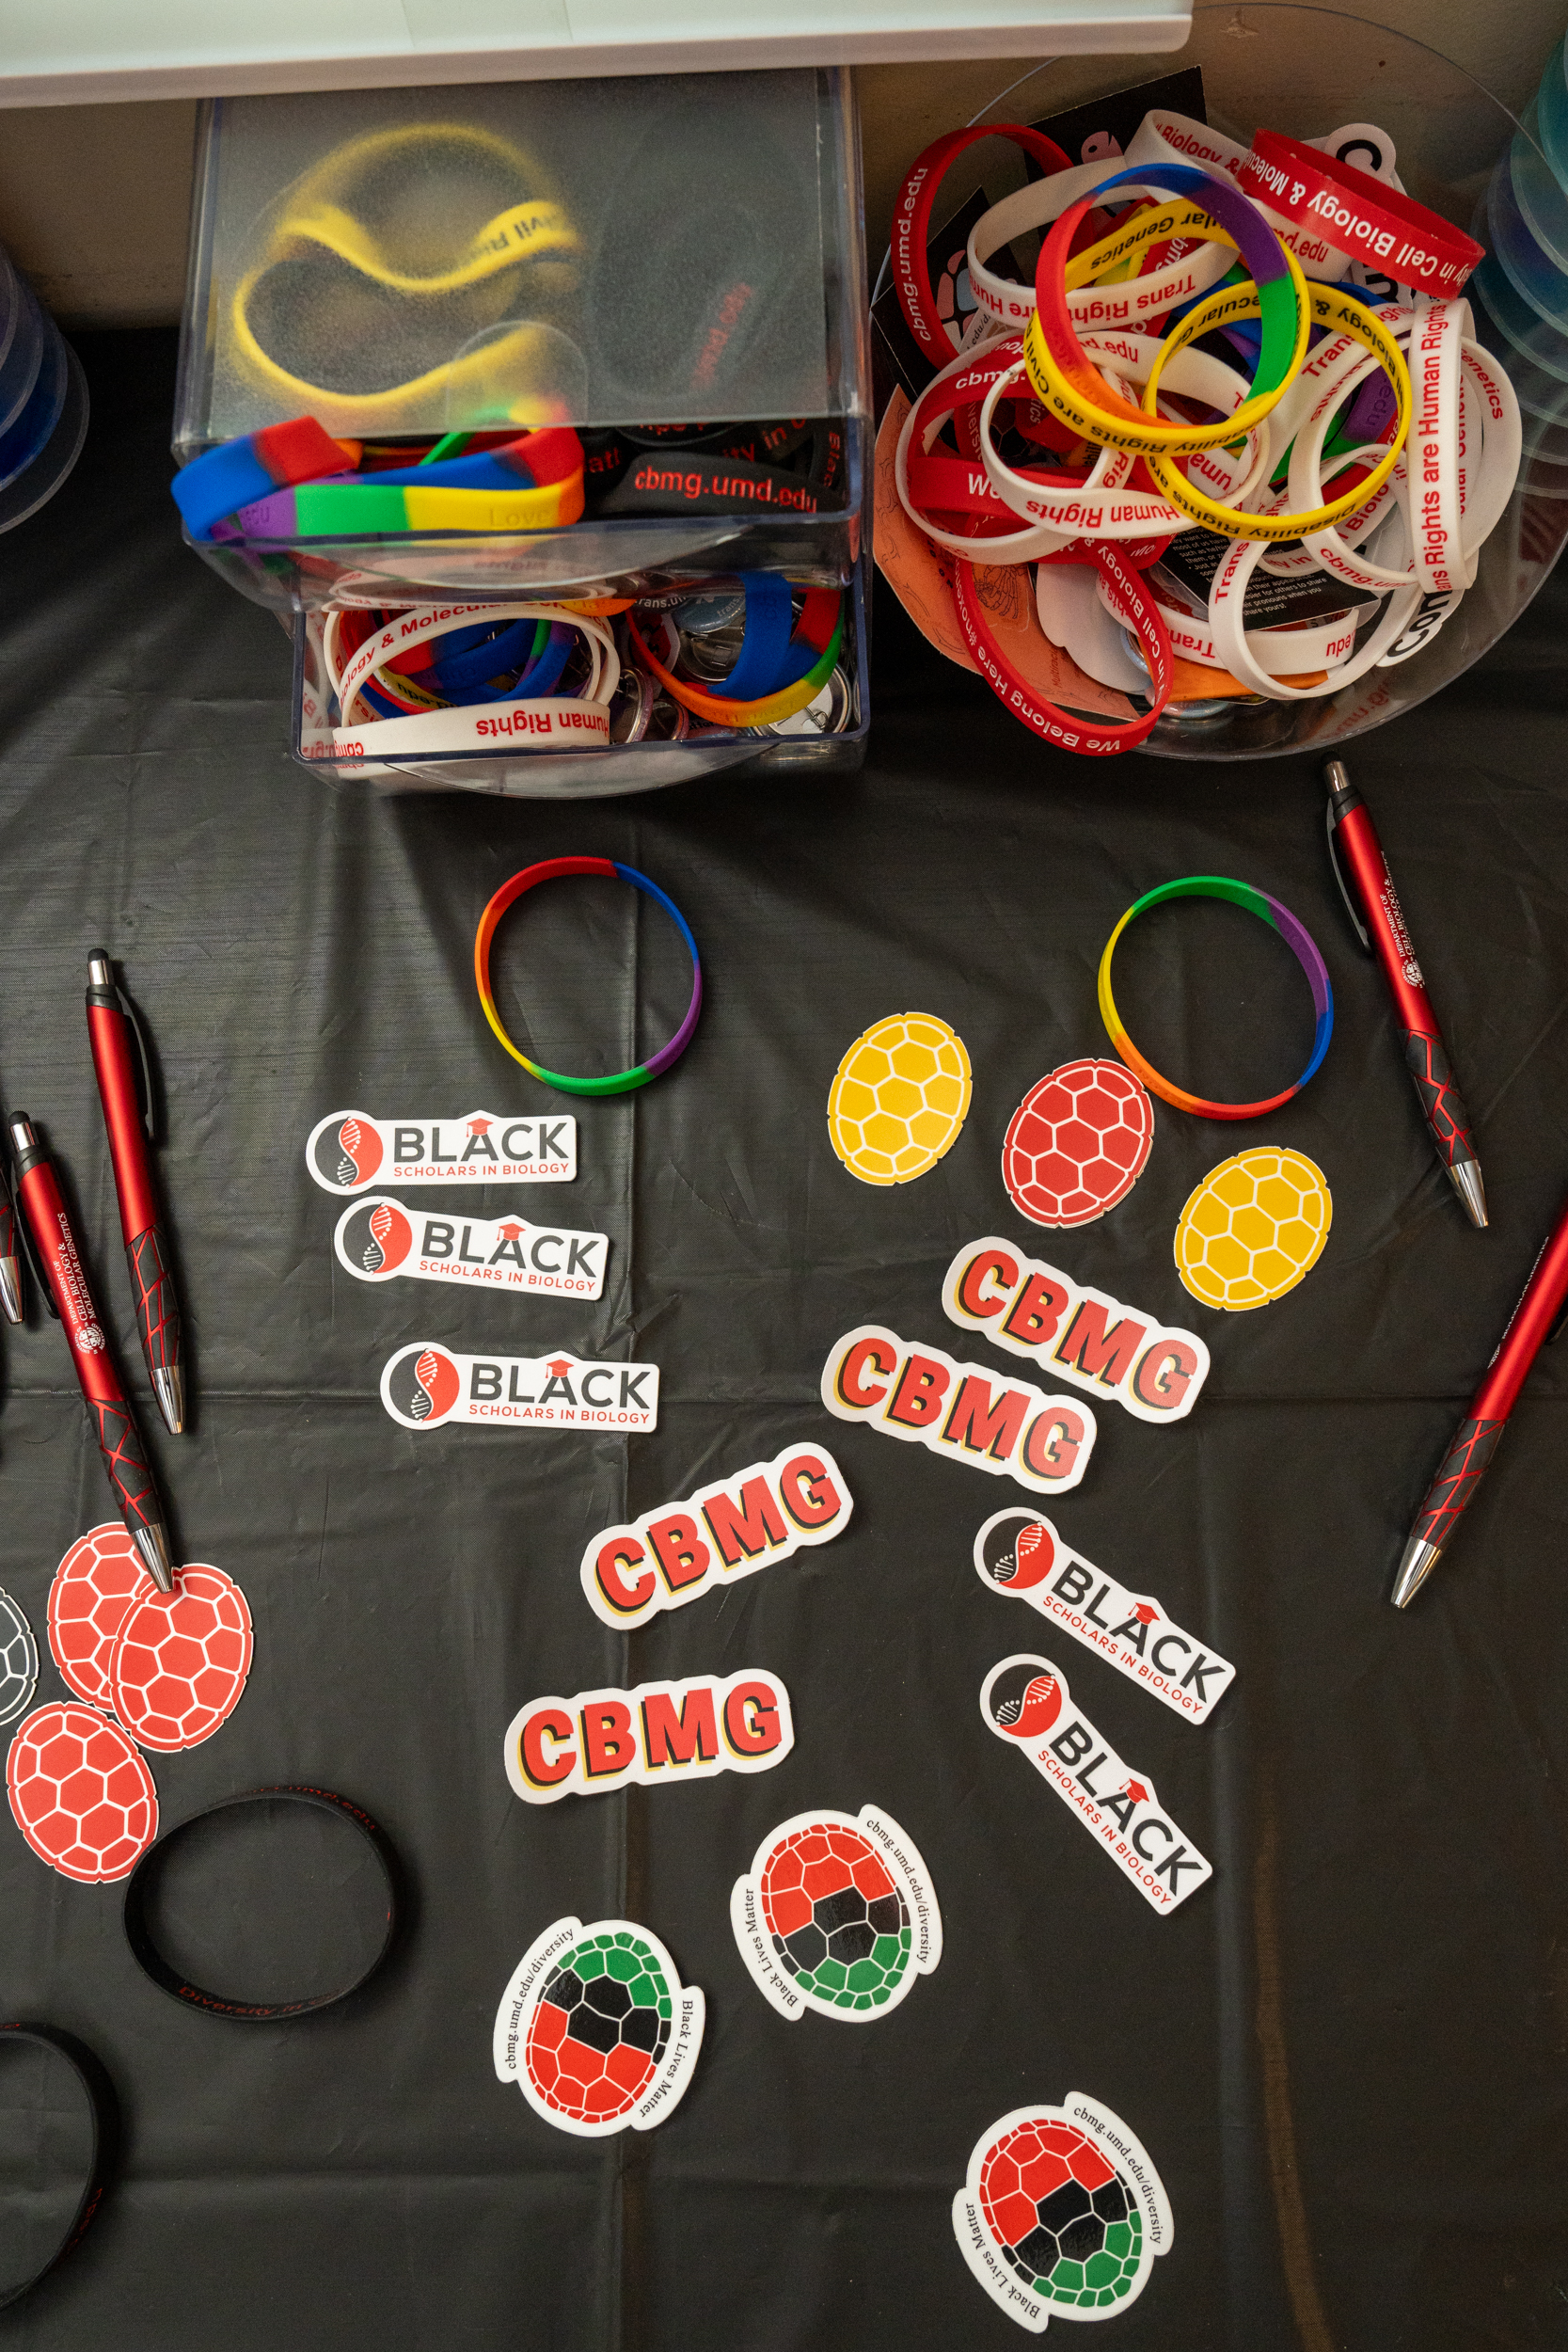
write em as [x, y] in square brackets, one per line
[551, 870]
[326, 242]
[768, 651]
[522, 717]
[1296, 937]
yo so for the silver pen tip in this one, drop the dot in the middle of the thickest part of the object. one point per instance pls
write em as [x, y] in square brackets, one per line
[10, 1289]
[168, 1386]
[1467, 1183]
[1420, 1560]
[99, 973]
[152, 1544]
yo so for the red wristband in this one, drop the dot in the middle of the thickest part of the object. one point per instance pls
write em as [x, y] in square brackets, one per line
[1090, 736]
[912, 221]
[1362, 216]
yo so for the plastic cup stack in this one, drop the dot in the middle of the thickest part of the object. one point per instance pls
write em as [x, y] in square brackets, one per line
[1519, 294]
[44, 401]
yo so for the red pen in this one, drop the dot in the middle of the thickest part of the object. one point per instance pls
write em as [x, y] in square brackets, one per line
[1533, 1323]
[10, 1264]
[59, 1265]
[1380, 921]
[125, 1090]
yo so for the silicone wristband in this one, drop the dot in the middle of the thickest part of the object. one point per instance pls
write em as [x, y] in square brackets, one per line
[1463, 455]
[1281, 652]
[1095, 738]
[1297, 938]
[318, 217]
[1227, 604]
[824, 611]
[360, 506]
[1367, 220]
[1234, 522]
[581, 723]
[289, 480]
[622, 1081]
[1121, 514]
[1177, 138]
[693, 478]
[170, 1981]
[423, 626]
[968, 378]
[1057, 362]
[911, 220]
[1131, 303]
[94, 2084]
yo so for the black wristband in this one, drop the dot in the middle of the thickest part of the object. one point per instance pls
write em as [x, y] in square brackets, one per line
[697, 477]
[95, 2087]
[171, 1981]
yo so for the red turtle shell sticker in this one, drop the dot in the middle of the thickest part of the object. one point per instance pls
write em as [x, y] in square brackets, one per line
[1077, 1143]
[180, 1663]
[95, 1586]
[82, 1796]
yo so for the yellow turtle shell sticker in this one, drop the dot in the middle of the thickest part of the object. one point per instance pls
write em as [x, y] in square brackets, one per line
[898, 1098]
[1252, 1228]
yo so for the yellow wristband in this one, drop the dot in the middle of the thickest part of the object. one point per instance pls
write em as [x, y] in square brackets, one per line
[320, 217]
[1328, 309]
[1176, 440]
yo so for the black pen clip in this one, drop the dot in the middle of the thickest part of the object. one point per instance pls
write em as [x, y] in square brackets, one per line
[144, 1082]
[1559, 1327]
[1351, 908]
[29, 1246]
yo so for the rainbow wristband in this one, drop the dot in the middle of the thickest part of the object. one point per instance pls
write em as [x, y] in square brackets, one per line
[1296, 937]
[622, 1081]
[269, 485]
[819, 630]
[1071, 386]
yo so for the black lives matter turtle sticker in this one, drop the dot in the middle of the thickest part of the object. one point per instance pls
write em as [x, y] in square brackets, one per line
[348, 1151]
[1063, 2215]
[378, 1239]
[837, 1913]
[426, 1385]
[596, 2029]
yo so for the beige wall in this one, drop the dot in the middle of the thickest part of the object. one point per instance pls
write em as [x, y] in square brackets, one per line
[94, 200]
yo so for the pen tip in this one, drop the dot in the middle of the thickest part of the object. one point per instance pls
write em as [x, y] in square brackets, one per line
[1467, 1183]
[152, 1544]
[168, 1383]
[99, 973]
[10, 1289]
[1417, 1564]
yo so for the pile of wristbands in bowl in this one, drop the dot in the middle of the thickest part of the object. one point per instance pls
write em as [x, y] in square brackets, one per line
[1206, 361]
[746, 654]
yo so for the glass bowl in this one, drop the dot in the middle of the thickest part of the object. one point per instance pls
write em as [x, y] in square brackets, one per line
[1305, 70]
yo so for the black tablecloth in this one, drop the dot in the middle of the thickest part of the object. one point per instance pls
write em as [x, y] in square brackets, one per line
[1346, 2055]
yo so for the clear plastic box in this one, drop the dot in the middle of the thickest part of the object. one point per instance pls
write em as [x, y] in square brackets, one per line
[676, 249]
[596, 774]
